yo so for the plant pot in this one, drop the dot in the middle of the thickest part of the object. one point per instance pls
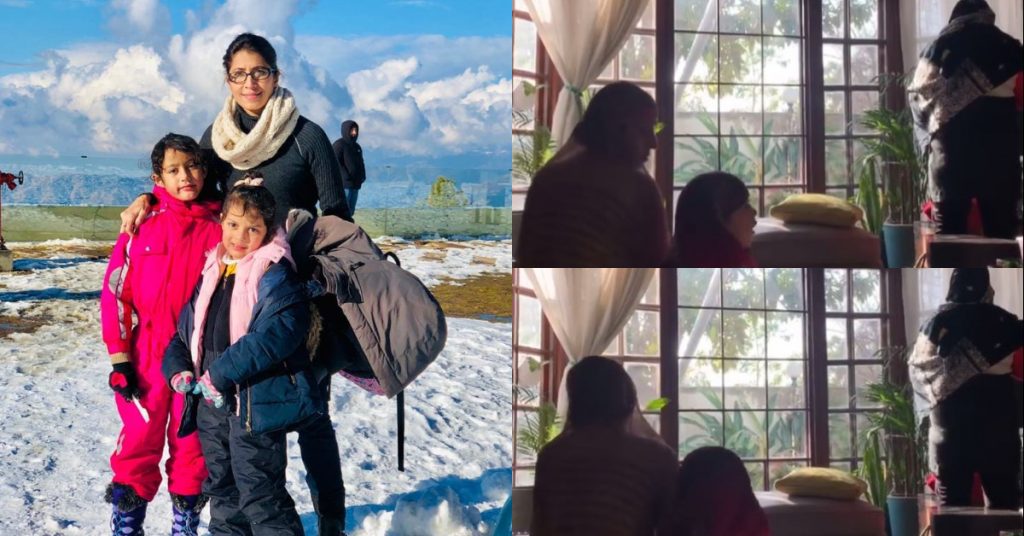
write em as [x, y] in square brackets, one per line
[903, 512]
[899, 245]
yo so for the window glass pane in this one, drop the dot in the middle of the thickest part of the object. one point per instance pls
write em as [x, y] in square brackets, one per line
[524, 478]
[833, 18]
[651, 296]
[786, 384]
[694, 156]
[838, 387]
[700, 333]
[529, 374]
[741, 156]
[527, 426]
[862, 101]
[867, 294]
[740, 108]
[835, 333]
[700, 383]
[697, 110]
[636, 59]
[784, 288]
[835, 291]
[745, 382]
[699, 429]
[744, 288]
[782, 110]
[647, 380]
[743, 334]
[867, 336]
[782, 17]
[529, 322]
[741, 60]
[696, 58]
[642, 334]
[835, 162]
[524, 103]
[756, 472]
[524, 54]
[745, 433]
[785, 335]
[696, 15]
[863, 19]
[782, 160]
[834, 63]
[863, 64]
[835, 113]
[864, 375]
[781, 60]
[840, 436]
[787, 434]
[699, 287]
[647, 20]
[740, 16]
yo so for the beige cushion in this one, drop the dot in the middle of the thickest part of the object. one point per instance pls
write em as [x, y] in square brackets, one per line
[780, 245]
[819, 209]
[822, 482]
[809, 516]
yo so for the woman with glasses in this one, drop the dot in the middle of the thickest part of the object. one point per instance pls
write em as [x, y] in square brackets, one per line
[259, 129]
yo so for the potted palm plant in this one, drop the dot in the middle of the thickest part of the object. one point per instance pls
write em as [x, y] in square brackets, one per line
[893, 445]
[891, 159]
[535, 431]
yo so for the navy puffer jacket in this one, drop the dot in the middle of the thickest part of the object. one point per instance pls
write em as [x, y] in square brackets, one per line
[269, 367]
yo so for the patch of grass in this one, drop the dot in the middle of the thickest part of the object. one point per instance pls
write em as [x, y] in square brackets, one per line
[14, 324]
[486, 296]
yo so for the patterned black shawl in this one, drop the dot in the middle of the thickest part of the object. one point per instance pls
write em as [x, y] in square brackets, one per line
[968, 60]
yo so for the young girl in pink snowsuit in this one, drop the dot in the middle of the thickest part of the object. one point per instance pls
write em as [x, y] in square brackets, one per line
[153, 275]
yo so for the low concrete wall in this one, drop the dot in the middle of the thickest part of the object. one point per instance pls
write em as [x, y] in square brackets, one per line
[48, 222]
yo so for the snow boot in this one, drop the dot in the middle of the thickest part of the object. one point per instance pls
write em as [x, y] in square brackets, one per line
[186, 509]
[129, 510]
[328, 523]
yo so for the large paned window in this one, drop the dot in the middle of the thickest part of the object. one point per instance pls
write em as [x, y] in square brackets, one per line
[739, 88]
[531, 374]
[853, 56]
[527, 79]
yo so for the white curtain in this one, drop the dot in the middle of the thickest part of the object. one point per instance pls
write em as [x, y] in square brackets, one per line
[922, 20]
[587, 308]
[581, 37]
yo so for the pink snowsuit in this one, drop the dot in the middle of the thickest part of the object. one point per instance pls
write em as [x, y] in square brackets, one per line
[153, 275]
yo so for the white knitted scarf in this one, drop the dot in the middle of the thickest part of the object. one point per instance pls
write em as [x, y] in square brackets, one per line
[246, 151]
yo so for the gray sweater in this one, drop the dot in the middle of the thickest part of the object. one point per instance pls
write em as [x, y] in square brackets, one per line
[303, 172]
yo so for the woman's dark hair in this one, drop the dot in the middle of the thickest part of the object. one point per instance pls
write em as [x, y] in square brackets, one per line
[252, 43]
[612, 107]
[600, 392]
[187, 145]
[706, 203]
[249, 197]
[969, 7]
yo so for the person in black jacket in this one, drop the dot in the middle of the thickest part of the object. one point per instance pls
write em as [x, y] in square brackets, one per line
[350, 158]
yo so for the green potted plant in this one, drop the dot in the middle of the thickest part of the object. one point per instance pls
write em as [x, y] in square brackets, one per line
[891, 159]
[536, 430]
[893, 445]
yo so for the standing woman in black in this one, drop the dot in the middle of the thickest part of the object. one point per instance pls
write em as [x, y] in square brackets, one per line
[260, 129]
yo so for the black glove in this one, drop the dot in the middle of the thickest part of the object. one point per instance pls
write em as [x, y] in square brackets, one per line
[124, 381]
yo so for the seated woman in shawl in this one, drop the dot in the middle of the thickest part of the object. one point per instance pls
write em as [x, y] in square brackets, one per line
[597, 477]
[962, 99]
[714, 223]
[594, 205]
[962, 361]
[714, 497]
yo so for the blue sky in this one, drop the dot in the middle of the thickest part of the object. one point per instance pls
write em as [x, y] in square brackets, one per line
[429, 73]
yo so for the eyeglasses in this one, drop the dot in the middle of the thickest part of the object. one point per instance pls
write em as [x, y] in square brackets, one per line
[258, 74]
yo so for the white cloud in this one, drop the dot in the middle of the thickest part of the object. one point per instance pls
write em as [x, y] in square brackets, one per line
[140, 17]
[441, 96]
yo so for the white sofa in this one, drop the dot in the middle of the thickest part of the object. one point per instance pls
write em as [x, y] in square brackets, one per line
[781, 245]
[807, 516]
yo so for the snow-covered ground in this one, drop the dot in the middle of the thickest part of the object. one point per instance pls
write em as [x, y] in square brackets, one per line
[58, 423]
